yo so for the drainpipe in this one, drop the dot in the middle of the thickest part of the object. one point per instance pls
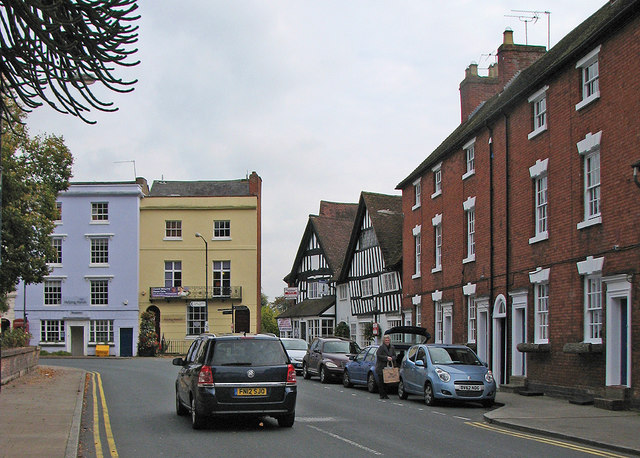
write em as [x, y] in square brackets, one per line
[508, 330]
[491, 248]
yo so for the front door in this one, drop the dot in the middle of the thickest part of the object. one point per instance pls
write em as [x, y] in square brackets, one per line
[126, 342]
[77, 340]
[618, 330]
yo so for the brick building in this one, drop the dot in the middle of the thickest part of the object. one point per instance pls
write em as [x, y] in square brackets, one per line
[520, 234]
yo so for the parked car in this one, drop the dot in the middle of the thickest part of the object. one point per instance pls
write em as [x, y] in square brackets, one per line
[327, 357]
[296, 349]
[361, 370]
[240, 375]
[439, 371]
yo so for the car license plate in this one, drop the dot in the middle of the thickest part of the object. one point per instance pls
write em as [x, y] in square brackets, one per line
[251, 391]
[469, 387]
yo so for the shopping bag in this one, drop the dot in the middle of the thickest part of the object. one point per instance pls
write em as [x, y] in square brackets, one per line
[390, 374]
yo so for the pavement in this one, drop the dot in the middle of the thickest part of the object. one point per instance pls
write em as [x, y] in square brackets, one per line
[40, 415]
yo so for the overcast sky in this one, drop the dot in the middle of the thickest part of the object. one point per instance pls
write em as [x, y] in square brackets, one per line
[323, 99]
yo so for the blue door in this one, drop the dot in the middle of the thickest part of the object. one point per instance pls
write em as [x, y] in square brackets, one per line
[126, 341]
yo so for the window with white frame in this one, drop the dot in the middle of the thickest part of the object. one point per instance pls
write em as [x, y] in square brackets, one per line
[172, 274]
[173, 230]
[222, 278]
[437, 180]
[589, 149]
[342, 292]
[392, 323]
[327, 328]
[417, 190]
[471, 319]
[439, 322]
[58, 219]
[99, 250]
[314, 328]
[469, 207]
[222, 229]
[52, 292]
[538, 172]
[56, 243]
[538, 102]
[589, 78]
[51, 331]
[542, 312]
[593, 308]
[100, 212]
[419, 315]
[437, 225]
[366, 285]
[389, 282]
[101, 331]
[470, 158]
[314, 290]
[417, 244]
[196, 318]
[99, 292]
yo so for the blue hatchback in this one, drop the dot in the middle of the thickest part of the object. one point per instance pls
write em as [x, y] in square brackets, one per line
[439, 371]
[361, 370]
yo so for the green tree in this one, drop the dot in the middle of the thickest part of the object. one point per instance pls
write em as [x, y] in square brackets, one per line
[148, 338]
[269, 323]
[281, 304]
[342, 330]
[35, 170]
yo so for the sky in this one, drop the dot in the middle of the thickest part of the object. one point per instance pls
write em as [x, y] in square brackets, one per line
[323, 99]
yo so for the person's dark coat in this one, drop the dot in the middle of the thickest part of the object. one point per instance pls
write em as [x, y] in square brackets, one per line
[381, 356]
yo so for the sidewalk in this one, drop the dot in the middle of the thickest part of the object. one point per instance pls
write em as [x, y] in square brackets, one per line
[545, 415]
[40, 413]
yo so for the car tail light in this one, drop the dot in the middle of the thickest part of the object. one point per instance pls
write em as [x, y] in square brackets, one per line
[291, 375]
[205, 377]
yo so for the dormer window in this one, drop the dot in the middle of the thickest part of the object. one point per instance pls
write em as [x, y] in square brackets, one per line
[539, 106]
[590, 78]
[470, 158]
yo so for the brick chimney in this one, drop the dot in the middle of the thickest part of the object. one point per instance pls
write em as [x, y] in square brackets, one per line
[512, 58]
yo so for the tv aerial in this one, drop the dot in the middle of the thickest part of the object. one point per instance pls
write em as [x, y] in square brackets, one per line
[527, 16]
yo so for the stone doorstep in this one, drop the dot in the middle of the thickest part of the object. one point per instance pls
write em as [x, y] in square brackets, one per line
[610, 404]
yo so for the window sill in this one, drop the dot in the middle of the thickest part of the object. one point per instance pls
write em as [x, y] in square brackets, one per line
[468, 174]
[469, 259]
[589, 222]
[436, 269]
[436, 194]
[537, 132]
[582, 348]
[539, 238]
[415, 207]
[414, 276]
[99, 222]
[99, 265]
[172, 239]
[51, 344]
[525, 347]
[221, 239]
[595, 96]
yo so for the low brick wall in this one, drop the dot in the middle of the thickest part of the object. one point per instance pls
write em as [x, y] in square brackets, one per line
[18, 361]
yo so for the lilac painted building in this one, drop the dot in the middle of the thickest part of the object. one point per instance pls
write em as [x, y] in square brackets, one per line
[90, 296]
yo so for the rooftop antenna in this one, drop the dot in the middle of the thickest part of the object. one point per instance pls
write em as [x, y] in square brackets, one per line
[527, 16]
[135, 174]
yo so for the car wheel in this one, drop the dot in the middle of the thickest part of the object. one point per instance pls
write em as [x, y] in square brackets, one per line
[180, 409]
[305, 372]
[487, 403]
[323, 375]
[372, 386]
[429, 399]
[402, 394]
[346, 380]
[286, 421]
[197, 420]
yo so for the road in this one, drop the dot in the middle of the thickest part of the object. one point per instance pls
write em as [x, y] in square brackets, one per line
[133, 404]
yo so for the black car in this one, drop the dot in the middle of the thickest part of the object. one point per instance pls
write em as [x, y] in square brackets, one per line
[327, 356]
[236, 375]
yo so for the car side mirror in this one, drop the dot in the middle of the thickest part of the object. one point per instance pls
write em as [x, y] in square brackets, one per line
[352, 357]
[420, 363]
[178, 362]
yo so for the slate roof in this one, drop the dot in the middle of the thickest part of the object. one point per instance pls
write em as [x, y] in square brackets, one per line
[333, 228]
[566, 53]
[230, 188]
[385, 212]
[309, 307]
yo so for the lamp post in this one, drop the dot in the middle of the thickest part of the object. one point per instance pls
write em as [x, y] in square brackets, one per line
[206, 281]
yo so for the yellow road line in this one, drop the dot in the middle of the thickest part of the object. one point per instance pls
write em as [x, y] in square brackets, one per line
[107, 422]
[96, 419]
[544, 440]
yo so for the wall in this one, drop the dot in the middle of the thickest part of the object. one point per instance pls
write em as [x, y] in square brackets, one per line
[16, 362]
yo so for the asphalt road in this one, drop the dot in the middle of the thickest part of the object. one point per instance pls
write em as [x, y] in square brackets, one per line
[137, 407]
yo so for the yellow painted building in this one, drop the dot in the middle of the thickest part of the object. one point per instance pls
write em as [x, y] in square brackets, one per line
[200, 255]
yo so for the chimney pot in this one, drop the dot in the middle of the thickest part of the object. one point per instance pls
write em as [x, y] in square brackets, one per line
[507, 37]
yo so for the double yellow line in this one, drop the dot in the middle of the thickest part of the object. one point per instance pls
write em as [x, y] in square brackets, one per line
[96, 383]
[545, 440]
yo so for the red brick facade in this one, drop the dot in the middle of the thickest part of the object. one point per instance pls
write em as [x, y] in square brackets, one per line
[510, 261]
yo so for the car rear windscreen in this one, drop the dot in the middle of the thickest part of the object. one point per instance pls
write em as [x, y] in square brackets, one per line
[248, 352]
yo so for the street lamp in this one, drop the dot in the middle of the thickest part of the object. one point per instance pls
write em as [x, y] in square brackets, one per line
[206, 280]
